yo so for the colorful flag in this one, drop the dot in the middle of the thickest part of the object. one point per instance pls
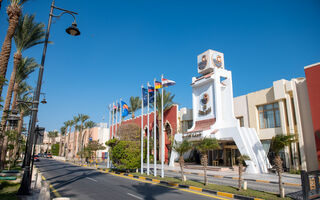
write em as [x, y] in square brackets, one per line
[158, 85]
[166, 82]
[125, 108]
[151, 94]
[145, 96]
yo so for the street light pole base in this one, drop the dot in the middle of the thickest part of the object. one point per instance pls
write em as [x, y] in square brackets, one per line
[25, 183]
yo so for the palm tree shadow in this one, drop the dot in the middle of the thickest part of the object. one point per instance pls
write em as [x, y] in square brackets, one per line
[149, 191]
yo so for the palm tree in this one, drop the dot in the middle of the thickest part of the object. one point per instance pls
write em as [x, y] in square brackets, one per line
[23, 108]
[135, 104]
[87, 126]
[241, 160]
[63, 130]
[69, 124]
[182, 148]
[14, 13]
[25, 68]
[278, 143]
[28, 34]
[203, 146]
[76, 127]
[82, 119]
[52, 136]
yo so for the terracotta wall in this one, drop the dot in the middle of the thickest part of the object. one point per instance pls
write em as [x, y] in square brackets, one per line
[313, 83]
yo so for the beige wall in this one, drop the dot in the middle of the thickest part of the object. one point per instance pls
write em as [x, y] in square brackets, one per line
[283, 91]
[241, 109]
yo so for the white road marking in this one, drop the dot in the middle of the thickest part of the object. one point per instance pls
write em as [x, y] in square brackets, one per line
[135, 196]
[92, 179]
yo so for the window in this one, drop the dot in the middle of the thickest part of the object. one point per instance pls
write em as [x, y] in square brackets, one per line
[241, 122]
[269, 116]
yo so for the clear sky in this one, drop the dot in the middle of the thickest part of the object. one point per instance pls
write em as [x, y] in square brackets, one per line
[124, 44]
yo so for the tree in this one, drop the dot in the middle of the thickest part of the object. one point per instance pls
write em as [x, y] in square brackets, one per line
[82, 118]
[93, 147]
[181, 148]
[25, 68]
[125, 155]
[241, 159]
[69, 124]
[129, 132]
[14, 13]
[76, 127]
[278, 143]
[203, 146]
[52, 135]
[135, 104]
[87, 126]
[63, 131]
[27, 34]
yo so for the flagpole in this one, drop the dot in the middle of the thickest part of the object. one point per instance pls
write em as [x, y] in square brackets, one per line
[112, 128]
[162, 134]
[155, 130]
[120, 113]
[108, 164]
[141, 130]
[115, 133]
[148, 135]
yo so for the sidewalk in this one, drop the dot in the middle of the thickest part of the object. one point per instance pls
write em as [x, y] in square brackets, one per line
[271, 178]
[287, 179]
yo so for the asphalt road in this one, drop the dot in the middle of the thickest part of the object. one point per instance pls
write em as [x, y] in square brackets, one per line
[82, 183]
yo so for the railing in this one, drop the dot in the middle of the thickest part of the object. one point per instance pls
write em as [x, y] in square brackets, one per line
[310, 184]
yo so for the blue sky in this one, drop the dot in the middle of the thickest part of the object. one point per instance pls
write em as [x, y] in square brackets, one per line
[124, 44]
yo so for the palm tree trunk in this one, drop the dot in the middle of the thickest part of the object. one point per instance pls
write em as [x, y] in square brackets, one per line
[181, 161]
[17, 145]
[15, 95]
[204, 161]
[278, 163]
[16, 61]
[240, 176]
[75, 144]
[14, 13]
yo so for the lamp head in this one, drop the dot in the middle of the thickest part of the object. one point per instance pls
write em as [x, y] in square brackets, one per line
[73, 29]
[44, 101]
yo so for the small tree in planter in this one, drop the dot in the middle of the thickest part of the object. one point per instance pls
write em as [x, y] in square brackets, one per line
[241, 160]
[203, 146]
[278, 143]
[181, 148]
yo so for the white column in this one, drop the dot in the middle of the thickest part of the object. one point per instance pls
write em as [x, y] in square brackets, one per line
[162, 134]
[155, 130]
[148, 135]
[142, 130]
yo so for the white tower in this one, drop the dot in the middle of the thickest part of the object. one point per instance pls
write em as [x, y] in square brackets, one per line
[213, 112]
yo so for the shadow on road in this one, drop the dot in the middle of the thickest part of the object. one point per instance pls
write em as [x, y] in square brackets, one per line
[149, 191]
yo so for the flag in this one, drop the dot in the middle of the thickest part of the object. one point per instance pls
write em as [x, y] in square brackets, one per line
[145, 96]
[151, 94]
[124, 110]
[114, 108]
[166, 82]
[158, 85]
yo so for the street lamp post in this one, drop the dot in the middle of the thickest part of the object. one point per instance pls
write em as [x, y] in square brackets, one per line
[72, 30]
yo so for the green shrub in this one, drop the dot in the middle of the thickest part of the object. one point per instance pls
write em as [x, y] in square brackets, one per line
[55, 149]
[125, 155]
